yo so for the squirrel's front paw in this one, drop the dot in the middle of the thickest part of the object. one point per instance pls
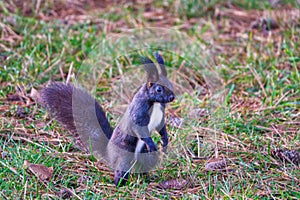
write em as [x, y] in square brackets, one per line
[150, 145]
[165, 142]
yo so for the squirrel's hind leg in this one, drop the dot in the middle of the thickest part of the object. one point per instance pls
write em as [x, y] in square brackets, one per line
[121, 178]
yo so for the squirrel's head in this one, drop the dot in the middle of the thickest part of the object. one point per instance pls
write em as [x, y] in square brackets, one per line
[160, 89]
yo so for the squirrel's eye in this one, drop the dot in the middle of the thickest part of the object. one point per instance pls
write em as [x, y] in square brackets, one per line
[158, 89]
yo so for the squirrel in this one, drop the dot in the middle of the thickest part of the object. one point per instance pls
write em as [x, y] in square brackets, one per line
[130, 143]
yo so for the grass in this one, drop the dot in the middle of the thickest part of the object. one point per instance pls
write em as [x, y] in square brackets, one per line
[257, 113]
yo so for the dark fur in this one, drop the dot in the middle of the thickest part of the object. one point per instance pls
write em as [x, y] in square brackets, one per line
[83, 116]
[58, 98]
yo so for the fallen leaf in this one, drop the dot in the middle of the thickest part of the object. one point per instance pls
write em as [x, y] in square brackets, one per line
[216, 164]
[176, 184]
[265, 24]
[65, 194]
[197, 113]
[40, 171]
[175, 121]
[286, 155]
[20, 112]
[13, 97]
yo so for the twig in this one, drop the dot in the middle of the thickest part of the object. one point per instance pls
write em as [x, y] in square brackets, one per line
[258, 80]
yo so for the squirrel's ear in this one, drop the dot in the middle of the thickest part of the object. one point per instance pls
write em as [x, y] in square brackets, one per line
[151, 70]
[161, 63]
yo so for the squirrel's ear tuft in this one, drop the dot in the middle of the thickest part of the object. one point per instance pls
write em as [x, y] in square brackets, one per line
[151, 70]
[161, 63]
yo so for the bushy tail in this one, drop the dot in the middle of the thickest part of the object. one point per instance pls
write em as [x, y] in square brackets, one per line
[80, 113]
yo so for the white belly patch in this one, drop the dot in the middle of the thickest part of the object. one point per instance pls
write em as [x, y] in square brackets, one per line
[139, 148]
[155, 121]
[156, 117]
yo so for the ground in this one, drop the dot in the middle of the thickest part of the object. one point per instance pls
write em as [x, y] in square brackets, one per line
[242, 143]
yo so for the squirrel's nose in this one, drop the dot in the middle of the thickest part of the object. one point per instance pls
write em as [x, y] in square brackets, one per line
[171, 97]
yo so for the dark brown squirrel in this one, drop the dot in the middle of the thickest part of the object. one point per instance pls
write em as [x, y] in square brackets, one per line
[130, 144]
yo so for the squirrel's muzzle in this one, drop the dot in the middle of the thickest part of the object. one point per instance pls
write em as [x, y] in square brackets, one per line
[171, 97]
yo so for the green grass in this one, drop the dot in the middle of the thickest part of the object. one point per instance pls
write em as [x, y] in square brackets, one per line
[258, 112]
